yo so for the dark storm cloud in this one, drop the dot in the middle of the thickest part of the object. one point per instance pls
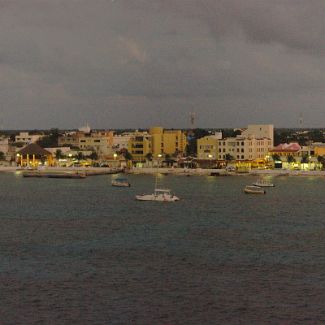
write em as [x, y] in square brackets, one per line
[134, 63]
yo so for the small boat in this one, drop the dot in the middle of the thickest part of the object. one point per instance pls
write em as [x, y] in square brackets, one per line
[161, 195]
[263, 183]
[252, 189]
[120, 182]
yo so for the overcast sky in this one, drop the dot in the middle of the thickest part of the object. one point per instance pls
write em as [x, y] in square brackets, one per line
[138, 63]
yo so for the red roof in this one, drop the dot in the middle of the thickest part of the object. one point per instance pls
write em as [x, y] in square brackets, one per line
[287, 147]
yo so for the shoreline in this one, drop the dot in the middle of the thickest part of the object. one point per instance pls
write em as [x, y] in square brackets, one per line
[166, 171]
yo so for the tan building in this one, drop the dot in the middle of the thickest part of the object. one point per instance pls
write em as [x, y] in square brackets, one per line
[100, 142]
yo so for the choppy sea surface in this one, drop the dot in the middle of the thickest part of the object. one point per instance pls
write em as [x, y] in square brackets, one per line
[83, 252]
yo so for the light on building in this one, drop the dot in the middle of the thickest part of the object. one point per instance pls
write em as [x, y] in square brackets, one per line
[210, 156]
[115, 155]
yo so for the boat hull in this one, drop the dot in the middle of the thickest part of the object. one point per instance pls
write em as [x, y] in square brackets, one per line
[263, 185]
[158, 198]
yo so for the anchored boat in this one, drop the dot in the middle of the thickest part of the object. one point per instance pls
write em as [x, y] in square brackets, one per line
[252, 189]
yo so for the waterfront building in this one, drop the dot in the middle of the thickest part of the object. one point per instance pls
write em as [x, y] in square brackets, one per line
[207, 147]
[284, 150]
[248, 149]
[139, 146]
[317, 149]
[101, 142]
[253, 143]
[121, 142]
[34, 155]
[167, 142]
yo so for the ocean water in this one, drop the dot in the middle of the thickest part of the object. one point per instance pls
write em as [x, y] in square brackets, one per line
[83, 252]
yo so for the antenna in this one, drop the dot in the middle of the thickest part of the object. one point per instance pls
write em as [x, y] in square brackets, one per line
[300, 120]
[192, 119]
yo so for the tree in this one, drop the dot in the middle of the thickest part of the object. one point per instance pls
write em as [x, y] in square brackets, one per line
[49, 141]
[93, 156]
[321, 160]
[149, 156]
[191, 147]
[59, 154]
[305, 159]
[276, 157]
[127, 155]
[229, 157]
[80, 155]
[291, 159]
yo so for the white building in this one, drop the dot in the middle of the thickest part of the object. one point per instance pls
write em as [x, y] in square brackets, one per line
[254, 143]
[4, 145]
[26, 138]
[121, 141]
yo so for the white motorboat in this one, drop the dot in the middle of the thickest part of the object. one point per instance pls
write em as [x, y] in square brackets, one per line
[120, 182]
[161, 195]
[263, 183]
[252, 189]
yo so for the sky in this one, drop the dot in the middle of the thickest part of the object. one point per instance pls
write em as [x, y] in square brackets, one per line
[137, 63]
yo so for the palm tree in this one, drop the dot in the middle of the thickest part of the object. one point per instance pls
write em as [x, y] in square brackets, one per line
[93, 156]
[305, 159]
[321, 161]
[58, 154]
[80, 155]
[149, 156]
[276, 157]
[291, 159]
[229, 157]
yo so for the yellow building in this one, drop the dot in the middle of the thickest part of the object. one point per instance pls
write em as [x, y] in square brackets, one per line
[171, 142]
[318, 149]
[139, 146]
[207, 147]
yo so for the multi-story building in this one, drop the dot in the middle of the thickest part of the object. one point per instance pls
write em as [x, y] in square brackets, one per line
[253, 143]
[171, 142]
[139, 146]
[121, 142]
[101, 142]
[26, 138]
[4, 145]
[70, 139]
[207, 147]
